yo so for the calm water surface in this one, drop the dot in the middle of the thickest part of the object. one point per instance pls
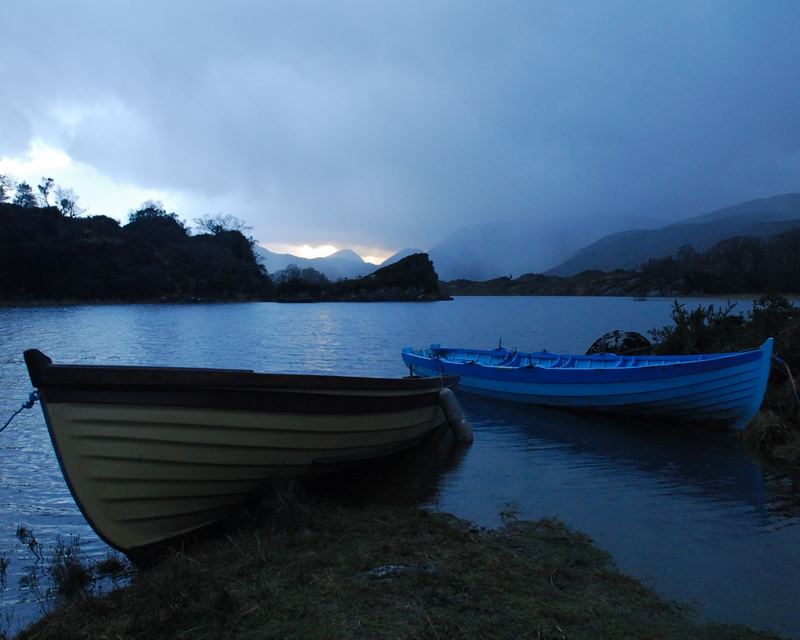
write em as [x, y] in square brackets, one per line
[687, 511]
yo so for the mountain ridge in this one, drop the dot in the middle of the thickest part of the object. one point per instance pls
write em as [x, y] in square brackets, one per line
[630, 249]
[488, 250]
[555, 247]
[345, 263]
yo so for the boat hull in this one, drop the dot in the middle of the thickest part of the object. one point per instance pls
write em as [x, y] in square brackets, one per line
[726, 388]
[152, 454]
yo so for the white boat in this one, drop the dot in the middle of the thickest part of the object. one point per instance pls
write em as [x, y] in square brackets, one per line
[151, 453]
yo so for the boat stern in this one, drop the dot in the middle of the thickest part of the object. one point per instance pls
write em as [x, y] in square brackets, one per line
[421, 363]
[761, 385]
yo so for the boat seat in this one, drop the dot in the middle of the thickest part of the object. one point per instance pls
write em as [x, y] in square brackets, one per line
[563, 361]
[509, 358]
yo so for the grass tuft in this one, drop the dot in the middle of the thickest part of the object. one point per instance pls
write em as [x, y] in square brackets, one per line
[112, 566]
[62, 575]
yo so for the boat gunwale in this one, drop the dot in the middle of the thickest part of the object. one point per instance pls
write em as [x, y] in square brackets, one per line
[508, 356]
[527, 373]
[44, 373]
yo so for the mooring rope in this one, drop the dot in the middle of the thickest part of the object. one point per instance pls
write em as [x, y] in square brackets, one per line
[791, 377]
[33, 396]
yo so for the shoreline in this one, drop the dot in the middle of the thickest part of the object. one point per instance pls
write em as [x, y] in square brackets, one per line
[317, 568]
[26, 304]
[628, 296]
[32, 304]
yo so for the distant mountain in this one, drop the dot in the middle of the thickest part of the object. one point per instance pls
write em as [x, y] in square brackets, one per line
[403, 253]
[630, 249]
[511, 247]
[736, 265]
[344, 254]
[342, 264]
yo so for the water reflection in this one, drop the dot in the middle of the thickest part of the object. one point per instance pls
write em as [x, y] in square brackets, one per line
[408, 478]
[684, 510]
[684, 458]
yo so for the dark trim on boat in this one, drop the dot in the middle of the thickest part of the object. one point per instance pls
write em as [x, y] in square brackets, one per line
[44, 373]
[229, 389]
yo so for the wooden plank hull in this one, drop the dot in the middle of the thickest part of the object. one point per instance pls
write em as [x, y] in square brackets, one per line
[726, 388]
[150, 454]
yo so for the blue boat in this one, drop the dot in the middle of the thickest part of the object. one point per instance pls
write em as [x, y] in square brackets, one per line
[720, 387]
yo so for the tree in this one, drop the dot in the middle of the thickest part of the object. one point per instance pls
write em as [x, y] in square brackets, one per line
[6, 187]
[67, 202]
[219, 223]
[45, 187]
[294, 281]
[314, 277]
[686, 253]
[288, 275]
[151, 223]
[150, 210]
[25, 197]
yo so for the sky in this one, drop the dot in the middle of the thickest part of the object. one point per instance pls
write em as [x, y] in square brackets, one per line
[383, 125]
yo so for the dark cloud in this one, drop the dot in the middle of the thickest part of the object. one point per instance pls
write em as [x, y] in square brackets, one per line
[393, 123]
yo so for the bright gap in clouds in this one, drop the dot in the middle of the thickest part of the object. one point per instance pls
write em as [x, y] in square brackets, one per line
[372, 255]
[96, 192]
[100, 194]
[303, 250]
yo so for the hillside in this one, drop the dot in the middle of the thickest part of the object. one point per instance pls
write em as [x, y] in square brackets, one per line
[399, 255]
[482, 251]
[736, 265]
[47, 256]
[630, 249]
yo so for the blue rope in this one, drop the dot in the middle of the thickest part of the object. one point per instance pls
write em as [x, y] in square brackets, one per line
[33, 396]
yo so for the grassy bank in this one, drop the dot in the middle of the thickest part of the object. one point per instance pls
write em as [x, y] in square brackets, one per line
[327, 570]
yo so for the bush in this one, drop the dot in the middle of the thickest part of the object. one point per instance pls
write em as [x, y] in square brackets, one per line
[703, 330]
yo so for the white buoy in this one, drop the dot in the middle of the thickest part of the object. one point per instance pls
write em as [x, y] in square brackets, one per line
[455, 416]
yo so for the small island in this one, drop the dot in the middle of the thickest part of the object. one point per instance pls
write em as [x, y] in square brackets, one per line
[47, 257]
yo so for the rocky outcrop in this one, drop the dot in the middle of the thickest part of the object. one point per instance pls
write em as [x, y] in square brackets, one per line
[412, 279]
[621, 343]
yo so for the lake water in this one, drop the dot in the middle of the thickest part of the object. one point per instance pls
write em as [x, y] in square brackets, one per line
[687, 511]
